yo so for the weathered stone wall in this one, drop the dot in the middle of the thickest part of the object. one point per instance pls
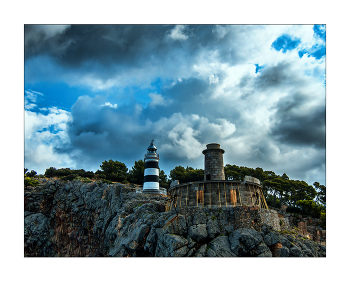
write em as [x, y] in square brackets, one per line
[270, 217]
[215, 194]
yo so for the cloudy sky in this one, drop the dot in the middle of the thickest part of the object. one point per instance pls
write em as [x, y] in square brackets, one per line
[100, 92]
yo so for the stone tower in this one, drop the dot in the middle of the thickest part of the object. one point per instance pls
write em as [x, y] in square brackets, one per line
[214, 162]
[151, 176]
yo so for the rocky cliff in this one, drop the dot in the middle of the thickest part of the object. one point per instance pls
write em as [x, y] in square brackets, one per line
[97, 219]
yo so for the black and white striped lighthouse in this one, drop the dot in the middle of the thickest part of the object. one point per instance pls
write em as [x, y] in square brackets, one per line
[151, 178]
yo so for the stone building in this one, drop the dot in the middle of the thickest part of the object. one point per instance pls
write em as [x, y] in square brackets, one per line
[214, 190]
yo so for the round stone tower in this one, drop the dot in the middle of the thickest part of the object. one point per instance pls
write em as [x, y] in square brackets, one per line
[214, 162]
[151, 175]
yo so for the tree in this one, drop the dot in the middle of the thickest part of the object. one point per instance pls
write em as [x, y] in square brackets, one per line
[163, 181]
[188, 174]
[136, 174]
[309, 207]
[178, 173]
[32, 173]
[114, 170]
[50, 172]
[321, 193]
[194, 174]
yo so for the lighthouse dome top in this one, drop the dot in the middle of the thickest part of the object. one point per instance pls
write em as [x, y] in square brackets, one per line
[151, 147]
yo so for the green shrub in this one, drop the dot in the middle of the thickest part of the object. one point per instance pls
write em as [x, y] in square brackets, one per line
[69, 177]
[323, 219]
[30, 182]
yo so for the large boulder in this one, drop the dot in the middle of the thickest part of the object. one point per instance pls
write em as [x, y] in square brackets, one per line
[198, 232]
[201, 251]
[272, 238]
[170, 245]
[221, 246]
[244, 240]
[295, 252]
[176, 224]
[262, 250]
[213, 229]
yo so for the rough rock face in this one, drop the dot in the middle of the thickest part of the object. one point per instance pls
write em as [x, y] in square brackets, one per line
[96, 219]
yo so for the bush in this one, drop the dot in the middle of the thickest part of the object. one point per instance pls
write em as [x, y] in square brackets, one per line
[88, 174]
[50, 172]
[69, 177]
[83, 179]
[293, 210]
[30, 182]
[323, 218]
[32, 173]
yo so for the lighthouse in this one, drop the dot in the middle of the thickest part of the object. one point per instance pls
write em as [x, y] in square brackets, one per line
[214, 162]
[151, 176]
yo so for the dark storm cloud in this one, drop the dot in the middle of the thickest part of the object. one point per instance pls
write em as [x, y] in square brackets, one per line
[277, 76]
[100, 132]
[45, 40]
[296, 126]
[192, 96]
[113, 44]
[109, 50]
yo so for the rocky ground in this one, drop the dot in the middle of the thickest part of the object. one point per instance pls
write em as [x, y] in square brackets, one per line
[96, 219]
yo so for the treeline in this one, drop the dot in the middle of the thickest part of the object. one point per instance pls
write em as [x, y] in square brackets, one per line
[279, 190]
[109, 172]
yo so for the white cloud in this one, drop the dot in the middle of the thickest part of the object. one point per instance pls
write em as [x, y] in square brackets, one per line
[186, 135]
[108, 104]
[177, 33]
[30, 99]
[158, 100]
[213, 79]
[42, 133]
[220, 31]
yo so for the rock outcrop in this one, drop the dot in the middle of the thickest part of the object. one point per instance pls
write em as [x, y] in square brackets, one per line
[97, 219]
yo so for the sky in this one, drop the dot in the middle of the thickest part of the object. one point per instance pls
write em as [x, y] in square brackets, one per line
[99, 92]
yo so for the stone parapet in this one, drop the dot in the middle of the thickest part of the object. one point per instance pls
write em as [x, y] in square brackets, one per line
[220, 193]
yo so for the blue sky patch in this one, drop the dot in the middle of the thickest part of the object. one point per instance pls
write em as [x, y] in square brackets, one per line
[285, 43]
[320, 31]
[302, 52]
[316, 51]
[57, 94]
[319, 52]
[257, 68]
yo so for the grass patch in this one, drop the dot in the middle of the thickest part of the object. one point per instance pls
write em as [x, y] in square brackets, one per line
[286, 232]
